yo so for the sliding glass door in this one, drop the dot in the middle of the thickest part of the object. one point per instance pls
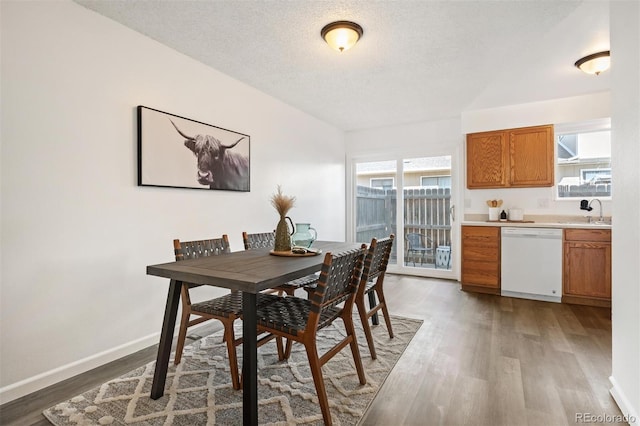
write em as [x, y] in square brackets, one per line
[412, 199]
[375, 202]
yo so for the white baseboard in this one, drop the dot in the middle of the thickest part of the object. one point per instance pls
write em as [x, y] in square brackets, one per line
[51, 377]
[630, 415]
[48, 378]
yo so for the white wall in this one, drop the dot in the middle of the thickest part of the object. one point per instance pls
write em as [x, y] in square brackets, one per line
[408, 139]
[625, 133]
[534, 201]
[77, 233]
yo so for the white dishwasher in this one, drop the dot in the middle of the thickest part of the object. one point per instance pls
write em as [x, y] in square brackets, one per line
[532, 263]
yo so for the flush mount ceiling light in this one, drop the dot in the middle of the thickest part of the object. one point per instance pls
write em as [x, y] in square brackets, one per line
[595, 63]
[341, 35]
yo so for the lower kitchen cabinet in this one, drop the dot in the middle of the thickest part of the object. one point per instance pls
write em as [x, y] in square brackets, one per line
[481, 259]
[587, 267]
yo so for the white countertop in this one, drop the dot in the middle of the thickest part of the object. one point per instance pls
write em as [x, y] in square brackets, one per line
[548, 221]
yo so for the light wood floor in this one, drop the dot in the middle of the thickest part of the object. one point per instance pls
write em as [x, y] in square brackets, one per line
[477, 360]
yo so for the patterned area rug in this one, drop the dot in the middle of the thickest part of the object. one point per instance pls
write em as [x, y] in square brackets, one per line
[199, 392]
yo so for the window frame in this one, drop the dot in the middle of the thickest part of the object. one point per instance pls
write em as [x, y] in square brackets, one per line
[438, 177]
[393, 182]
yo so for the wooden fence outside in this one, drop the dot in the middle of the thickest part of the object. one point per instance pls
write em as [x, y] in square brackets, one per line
[426, 211]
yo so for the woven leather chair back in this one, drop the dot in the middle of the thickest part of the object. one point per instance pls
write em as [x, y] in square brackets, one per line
[377, 259]
[202, 248]
[339, 278]
[259, 240]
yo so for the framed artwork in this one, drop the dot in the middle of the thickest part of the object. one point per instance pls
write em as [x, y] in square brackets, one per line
[177, 152]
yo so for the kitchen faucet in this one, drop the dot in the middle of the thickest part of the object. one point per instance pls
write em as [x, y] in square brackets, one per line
[584, 205]
[601, 218]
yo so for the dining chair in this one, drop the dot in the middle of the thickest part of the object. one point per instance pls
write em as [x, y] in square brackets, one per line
[299, 319]
[267, 240]
[420, 245]
[372, 280]
[225, 309]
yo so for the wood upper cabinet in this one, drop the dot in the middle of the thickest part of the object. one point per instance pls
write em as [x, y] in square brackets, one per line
[487, 159]
[513, 158]
[481, 258]
[587, 267]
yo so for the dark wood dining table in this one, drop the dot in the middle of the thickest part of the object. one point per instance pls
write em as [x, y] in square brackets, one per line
[249, 271]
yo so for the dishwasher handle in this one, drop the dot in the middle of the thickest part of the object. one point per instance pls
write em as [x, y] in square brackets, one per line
[532, 232]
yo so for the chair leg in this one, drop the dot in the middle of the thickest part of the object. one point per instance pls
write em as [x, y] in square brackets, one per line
[287, 351]
[318, 380]
[231, 351]
[385, 311]
[355, 351]
[373, 304]
[290, 291]
[182, 335]
[280, 347]
[362, 311]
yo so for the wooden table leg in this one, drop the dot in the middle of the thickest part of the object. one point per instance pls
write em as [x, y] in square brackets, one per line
[250, 360]
[166, 338]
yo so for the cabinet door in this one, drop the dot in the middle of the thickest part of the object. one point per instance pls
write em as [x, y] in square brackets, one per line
[531, 156]
[587, 269]
[487, 160]
[481, 256]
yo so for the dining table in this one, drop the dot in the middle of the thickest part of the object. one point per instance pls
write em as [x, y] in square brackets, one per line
[248, 271]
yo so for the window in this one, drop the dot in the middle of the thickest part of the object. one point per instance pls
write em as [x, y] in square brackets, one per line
[596, 175]
[384, 183]
[584, 161]
[436, 181]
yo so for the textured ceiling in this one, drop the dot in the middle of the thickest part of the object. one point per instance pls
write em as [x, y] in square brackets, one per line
[417, 60]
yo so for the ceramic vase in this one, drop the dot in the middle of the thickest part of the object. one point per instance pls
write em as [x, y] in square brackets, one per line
[283, 236]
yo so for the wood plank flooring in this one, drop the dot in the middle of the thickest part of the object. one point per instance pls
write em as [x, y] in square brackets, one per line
[488, 360]
[477, 360]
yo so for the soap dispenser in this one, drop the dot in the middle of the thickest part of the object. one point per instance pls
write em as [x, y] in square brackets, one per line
[503, 216]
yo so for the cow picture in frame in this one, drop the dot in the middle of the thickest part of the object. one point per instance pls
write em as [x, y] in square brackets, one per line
[178, 152]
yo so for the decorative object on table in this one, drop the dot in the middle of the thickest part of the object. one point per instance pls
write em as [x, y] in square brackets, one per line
[263, 240]
[167, 144]
[297, 251]
[304, 235]
[283, 204]
[201, 391]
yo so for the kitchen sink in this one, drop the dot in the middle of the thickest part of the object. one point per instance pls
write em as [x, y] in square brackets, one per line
[593, 223]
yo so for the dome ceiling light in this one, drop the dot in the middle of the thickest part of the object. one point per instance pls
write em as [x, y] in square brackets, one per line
[595, 63]
[341, 35]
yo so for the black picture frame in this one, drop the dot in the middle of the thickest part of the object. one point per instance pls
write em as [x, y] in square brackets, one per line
[178, 152]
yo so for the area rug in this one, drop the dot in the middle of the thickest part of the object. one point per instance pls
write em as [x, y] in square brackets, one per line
[198, 391]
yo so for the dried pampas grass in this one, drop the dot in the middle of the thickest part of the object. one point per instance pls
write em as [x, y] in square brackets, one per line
[281, 202]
